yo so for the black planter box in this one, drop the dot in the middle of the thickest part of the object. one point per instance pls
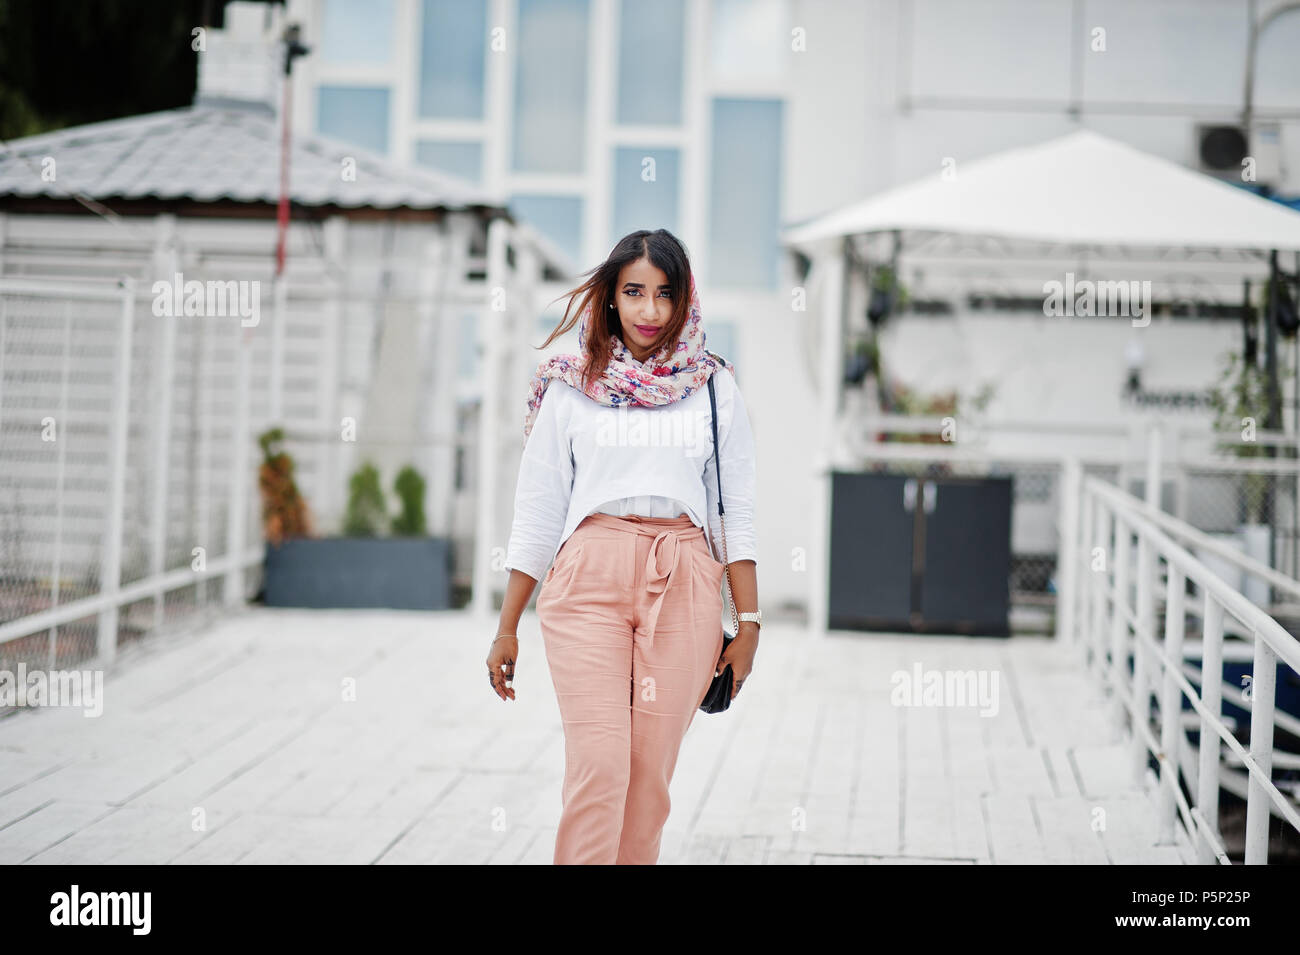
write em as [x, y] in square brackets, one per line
[400, 573]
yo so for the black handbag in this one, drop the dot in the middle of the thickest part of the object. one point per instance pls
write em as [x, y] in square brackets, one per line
[719, 696]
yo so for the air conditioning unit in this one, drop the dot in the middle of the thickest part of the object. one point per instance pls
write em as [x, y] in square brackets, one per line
[1228, 152]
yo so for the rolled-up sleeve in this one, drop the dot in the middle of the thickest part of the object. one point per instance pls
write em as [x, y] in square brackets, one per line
[739, 478]
[543, 490]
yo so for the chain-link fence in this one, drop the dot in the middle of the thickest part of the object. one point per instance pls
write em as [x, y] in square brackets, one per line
[55, 401]
[116, 436]
[1250, 505]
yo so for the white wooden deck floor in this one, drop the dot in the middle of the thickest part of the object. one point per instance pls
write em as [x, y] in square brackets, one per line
[234, 744]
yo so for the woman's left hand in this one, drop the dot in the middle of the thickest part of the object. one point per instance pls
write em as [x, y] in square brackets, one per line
[740, 654]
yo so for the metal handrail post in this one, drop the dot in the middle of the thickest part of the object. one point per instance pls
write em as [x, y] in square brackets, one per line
[1262, 691]
[1171, 704]
[110, 566]
[1210, 748]
[1118, 623]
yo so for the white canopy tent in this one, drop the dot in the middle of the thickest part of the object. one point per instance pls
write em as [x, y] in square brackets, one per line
[1081, 190]
[1082, 197]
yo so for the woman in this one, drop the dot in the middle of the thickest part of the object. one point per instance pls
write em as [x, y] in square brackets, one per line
[618, 475]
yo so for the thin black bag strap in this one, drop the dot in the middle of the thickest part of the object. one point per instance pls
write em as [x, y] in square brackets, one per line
[717, 472]
[717, 468]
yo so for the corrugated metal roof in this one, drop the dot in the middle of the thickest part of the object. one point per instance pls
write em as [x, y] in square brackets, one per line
[214, 151]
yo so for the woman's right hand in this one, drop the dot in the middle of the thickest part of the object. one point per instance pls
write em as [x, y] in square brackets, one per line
[501, 665]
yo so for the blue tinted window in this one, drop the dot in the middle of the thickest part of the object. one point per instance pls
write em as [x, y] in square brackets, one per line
[559, 218]
[357, 31]
[639, 201]
[354, 114]
[550, 86]
[464, 160]
[453, 37]
[651, 42]
[745, 194]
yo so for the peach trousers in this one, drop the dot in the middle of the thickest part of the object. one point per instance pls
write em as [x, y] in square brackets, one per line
[631, 618]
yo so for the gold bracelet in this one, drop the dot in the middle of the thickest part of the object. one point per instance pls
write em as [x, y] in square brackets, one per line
[500, 635]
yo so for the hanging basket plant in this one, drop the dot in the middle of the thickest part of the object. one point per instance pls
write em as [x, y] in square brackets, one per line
[1240, 403]
[888, 294]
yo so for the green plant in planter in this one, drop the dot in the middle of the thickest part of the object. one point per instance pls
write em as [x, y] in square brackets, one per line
[906, 401]
[284, 512]
[366, 509]
[410, 490]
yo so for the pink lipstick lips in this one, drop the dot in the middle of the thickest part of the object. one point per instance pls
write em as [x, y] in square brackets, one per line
[648, 330]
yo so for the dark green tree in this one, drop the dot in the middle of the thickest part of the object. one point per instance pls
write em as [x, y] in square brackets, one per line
[114, 58]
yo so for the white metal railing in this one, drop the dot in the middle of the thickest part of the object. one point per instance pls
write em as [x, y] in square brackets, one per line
[110, 600]
[1101, 525]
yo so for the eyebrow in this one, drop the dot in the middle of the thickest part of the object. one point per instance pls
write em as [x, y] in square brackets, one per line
[641, 285]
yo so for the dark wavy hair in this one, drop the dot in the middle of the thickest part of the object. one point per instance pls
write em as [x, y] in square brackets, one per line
[666, 252]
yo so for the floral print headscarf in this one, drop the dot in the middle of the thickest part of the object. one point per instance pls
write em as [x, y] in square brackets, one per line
[671, 373]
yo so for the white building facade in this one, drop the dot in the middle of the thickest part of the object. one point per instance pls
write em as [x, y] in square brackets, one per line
[724, 120]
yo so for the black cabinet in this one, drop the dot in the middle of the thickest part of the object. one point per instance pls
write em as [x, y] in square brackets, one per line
[921, 554]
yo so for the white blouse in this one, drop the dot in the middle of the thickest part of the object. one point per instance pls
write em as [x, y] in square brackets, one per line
[582, 456]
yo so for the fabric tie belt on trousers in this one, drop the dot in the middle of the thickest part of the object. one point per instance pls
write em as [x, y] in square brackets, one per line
[662, 560]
